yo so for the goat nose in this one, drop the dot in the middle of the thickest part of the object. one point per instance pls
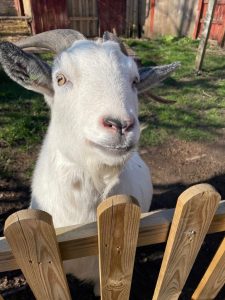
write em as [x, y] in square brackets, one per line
[119, 125]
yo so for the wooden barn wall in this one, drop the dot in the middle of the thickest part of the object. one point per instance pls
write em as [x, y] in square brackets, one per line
[137, 14]
[217, 31]
[7, 8]
[48, 15]
[83, 16]
[112, 16]
[174, 17]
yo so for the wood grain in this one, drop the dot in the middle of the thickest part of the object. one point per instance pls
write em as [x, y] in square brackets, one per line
[81, 240]
[118, 226]
[205, 35]
[192, 217]
[214, 278]
[32, 238]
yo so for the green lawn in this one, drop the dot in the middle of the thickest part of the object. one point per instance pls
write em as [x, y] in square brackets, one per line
[198, 113]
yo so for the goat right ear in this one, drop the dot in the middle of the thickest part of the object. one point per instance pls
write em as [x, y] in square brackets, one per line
[26, 69]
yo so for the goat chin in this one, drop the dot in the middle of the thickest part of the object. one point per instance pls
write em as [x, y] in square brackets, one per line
[71, 194]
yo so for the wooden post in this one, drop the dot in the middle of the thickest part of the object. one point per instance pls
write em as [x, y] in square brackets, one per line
[205, 35]
[129, 17]
[152, 13]
[32, 238]
[214, 278]
[192, 217]
[19, 7]
[27, 8]
[118, 226]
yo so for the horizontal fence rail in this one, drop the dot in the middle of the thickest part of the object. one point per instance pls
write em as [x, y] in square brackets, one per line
[81, 240]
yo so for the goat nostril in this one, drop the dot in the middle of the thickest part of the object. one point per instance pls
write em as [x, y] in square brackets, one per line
[118, 125]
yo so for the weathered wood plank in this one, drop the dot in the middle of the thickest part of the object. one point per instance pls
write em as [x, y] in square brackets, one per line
[32, 238]
[205, 35]
[118, 226]
[192, 217]
[214, 278]
[83, 18]
[81, 240]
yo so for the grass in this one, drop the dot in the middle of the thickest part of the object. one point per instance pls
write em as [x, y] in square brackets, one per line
[23, 115]
[198, 113]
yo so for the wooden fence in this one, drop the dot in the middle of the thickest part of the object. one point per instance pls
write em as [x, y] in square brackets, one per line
[83, 16]
[38, 249]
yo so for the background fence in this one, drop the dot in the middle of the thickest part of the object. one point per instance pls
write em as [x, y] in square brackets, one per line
[38, 250]
[133, 18]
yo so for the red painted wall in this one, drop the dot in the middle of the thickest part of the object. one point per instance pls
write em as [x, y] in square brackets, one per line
[217, 31]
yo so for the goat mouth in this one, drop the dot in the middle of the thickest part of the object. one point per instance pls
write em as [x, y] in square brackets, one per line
[116, 150]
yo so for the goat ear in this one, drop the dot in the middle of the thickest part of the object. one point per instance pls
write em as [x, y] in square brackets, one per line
[151, 76]
[26, 69]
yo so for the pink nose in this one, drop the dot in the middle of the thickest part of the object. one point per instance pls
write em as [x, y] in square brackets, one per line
[120, 126]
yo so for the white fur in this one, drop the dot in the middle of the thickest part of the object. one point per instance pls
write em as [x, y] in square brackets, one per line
[72, 175]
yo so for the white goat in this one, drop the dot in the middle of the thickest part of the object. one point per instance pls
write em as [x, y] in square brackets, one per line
[89, 151]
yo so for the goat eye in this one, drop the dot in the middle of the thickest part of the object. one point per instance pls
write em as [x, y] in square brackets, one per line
[61, 79]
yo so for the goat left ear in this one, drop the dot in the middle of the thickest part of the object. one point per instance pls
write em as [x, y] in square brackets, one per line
[26, 69]
[151, 76]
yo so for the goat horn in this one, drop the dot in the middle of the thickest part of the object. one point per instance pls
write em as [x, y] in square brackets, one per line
[108, 36]
[55, 40]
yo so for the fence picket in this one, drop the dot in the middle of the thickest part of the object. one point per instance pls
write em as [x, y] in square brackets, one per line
[118, 226]
[32, 237]
[214, 277]
[192, 217]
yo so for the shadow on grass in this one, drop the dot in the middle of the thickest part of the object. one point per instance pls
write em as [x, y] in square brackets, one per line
[23, 114]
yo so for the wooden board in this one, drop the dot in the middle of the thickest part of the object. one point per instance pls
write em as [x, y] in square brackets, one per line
[83, 16]
[118, 227]
[32, 238]
[205, 35]
[48, 15]
[217, 31]
[112, 16]
[214, 278]
[192, 217]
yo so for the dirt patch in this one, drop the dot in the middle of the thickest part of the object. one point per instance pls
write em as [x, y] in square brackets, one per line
[175, 165]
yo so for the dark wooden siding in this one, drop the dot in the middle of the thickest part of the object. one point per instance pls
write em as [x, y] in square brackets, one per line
[112, 15]
[48, 15]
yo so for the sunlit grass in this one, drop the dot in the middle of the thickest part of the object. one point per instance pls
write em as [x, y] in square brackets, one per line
[199, 111]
